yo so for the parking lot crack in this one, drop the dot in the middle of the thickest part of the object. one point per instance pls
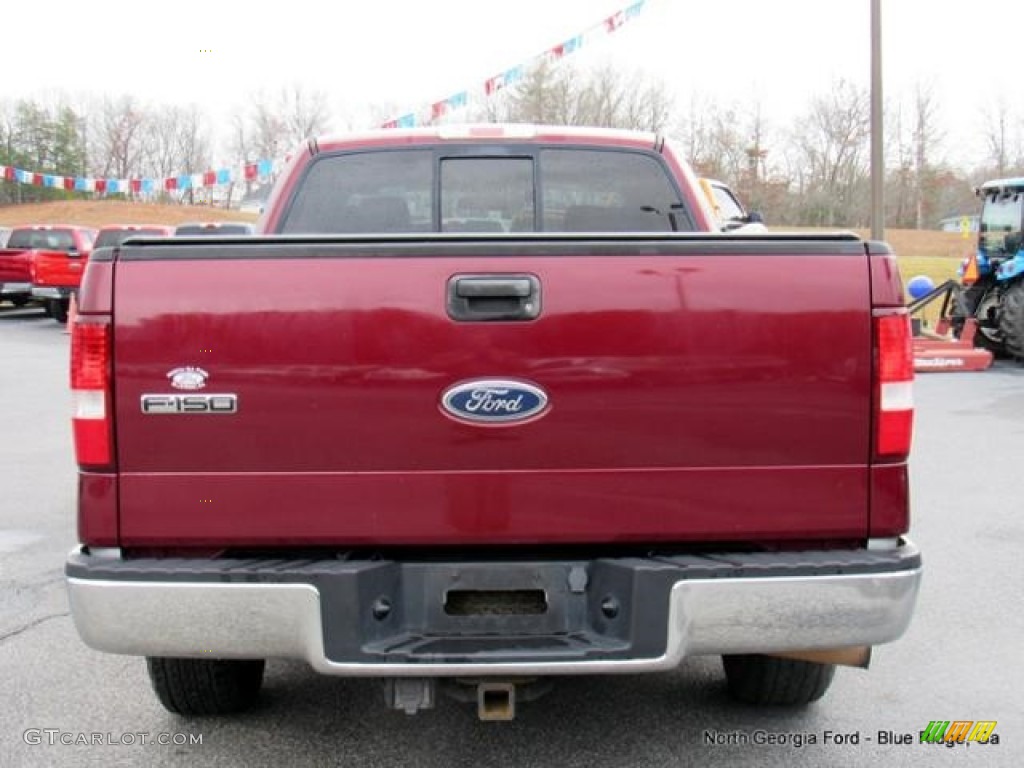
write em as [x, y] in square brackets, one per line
[31, 625]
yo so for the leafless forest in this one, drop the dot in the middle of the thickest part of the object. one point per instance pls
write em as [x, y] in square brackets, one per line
[813, 171]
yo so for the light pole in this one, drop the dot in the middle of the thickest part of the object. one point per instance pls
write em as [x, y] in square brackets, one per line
[877, 154]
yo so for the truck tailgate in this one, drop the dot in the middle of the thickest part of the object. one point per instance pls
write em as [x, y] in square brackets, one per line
[697, 389]
[57, 268]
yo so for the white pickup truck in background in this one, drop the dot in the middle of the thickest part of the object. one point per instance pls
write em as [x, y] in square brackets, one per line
[731, 214]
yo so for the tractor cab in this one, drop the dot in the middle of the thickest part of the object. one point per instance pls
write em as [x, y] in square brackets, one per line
[999, 231]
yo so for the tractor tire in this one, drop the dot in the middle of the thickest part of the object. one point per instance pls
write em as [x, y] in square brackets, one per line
[773, 681]
[206, 686]
[985, 337]
[1011, 319]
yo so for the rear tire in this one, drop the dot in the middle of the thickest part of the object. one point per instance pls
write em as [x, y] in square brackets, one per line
[1011, 319]
[19, 301]
[206, 686]
[772, 681]
[59, 310]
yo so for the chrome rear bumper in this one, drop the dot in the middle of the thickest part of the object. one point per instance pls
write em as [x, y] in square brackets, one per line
[312, 614]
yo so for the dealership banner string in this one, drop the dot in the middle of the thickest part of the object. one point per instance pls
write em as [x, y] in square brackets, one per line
[263, 170]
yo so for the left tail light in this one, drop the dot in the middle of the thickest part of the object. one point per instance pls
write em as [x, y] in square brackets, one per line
[91, 392]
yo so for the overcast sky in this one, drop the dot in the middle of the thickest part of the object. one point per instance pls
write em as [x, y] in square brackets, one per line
[410, 52]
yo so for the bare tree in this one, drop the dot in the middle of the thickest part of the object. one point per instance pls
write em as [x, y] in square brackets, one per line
[916, 173]
[193, 144]
[305, 113]
[647, 106]
[121, 139]
[274, 124]
[268, 133]
[719, 139]
[997, 121]
[832, 139]
[162, 158]
[899, 160]
[926, 139]
[605, 97]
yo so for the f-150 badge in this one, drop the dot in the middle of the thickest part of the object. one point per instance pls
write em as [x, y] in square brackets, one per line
[494, 401]
[156, 404]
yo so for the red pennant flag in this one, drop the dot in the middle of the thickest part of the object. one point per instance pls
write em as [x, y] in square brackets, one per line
[438, 109]
[37, 179]
[171, 184]
[8, 173]
[101, 185]
[250, 172]
[69, 183]
[136, 185]
[210, 179]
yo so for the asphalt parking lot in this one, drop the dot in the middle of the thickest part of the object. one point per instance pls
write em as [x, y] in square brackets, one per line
[64, 704]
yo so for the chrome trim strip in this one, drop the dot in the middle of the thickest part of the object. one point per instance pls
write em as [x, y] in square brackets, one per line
[46, 292]
[883, 545]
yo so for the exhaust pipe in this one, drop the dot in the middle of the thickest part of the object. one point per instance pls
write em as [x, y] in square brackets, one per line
[856, 656]
[496, 701]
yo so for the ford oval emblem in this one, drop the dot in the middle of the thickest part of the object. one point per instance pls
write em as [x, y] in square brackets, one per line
[494, 401]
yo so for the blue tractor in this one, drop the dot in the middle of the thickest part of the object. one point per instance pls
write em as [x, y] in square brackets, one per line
[992, 279]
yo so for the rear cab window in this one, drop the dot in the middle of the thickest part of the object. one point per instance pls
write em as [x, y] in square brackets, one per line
[43, 239]
[484, 189]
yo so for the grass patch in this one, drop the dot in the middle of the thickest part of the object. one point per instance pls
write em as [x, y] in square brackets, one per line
[938, 268]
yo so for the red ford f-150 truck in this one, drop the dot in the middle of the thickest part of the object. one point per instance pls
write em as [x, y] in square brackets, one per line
[56, 275]
[43, 242]
[481, 406]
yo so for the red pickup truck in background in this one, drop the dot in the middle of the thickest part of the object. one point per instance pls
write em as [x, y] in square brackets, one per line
[481, 406]
[56, 275]
[67, 245]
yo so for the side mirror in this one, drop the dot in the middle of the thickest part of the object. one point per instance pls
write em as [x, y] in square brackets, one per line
[755, 217]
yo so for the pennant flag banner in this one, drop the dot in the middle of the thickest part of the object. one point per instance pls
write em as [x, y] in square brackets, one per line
[509, 77]
[260, 171]
[263, 170]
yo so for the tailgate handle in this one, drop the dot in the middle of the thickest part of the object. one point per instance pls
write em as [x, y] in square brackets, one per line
[483, 298]
[493, 287]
